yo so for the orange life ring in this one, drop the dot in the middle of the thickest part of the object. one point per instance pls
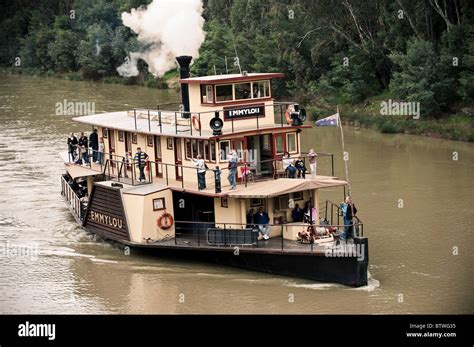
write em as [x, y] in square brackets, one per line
[168, 218]
[288, 112]
[196, 122]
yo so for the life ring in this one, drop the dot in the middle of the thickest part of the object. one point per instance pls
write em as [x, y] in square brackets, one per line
[165, 221]
[288, 113]
[196, 122]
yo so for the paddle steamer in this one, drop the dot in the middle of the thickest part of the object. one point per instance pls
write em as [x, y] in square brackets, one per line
[169, 215]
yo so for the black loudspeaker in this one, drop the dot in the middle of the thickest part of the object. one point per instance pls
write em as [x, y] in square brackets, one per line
[216, 125]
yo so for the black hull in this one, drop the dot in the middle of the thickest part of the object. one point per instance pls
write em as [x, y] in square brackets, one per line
[315, 266]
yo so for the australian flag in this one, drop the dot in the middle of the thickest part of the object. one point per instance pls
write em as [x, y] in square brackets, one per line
[328, 121]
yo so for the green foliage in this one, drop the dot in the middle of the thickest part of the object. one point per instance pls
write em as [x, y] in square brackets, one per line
[424, 77]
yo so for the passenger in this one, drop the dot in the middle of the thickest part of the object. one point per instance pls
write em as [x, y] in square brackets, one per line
[262, 219]
[201, 172]
[297, 214]
[141, 161]
[233, 163]
[349, 211]
[217, 177]
[94, 144]
[72, 144]
[312, 162]
[299, 164]
[100, 153]
[288, 165]
[126, 163]
[83, 144]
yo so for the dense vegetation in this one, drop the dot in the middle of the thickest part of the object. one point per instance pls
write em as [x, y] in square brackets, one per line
[332, 51]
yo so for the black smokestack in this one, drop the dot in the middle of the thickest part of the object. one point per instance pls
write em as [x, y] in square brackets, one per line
[184, 62]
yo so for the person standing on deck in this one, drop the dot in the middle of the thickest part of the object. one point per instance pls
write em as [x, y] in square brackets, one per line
[262, 219]
[312, 162]
[100, 153]
[233, 162]
[201, 172]
[349, 211]
[94, 144]
[140, 160]
[72, 144]
[84, 145]
[217, 176]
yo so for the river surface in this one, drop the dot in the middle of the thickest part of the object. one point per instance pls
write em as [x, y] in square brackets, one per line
[413, 198]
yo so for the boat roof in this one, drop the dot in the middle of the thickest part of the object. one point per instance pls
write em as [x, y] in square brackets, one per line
[284, 186]
[217, 79]
[122, 121]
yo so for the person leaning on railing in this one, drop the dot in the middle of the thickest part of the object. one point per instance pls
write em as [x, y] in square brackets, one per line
[140, 160]
[201, 172]
[348, 211]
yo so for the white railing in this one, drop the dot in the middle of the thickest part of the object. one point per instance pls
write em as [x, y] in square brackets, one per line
[71, 197]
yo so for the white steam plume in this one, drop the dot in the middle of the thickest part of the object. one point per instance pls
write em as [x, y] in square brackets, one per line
[168, 28]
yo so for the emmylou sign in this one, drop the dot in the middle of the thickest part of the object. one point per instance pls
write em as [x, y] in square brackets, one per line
[106, 219]
[250, 111]
[106, 214]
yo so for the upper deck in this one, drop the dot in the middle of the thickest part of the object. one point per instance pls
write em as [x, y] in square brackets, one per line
[240, 104]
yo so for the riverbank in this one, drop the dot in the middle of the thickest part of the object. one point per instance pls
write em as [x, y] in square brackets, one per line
[458, 126]
[169, 80]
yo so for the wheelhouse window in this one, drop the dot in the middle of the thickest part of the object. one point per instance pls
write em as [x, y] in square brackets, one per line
[261, 89]
[291, 143]
[225, 92]
[207, 94]
[242, 91]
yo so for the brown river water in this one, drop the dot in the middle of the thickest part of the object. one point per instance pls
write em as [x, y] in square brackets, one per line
[421, 255]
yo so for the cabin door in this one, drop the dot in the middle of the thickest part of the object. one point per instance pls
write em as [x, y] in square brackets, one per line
[178, 159]
[158, 159]
[128, 142]
[111, 139]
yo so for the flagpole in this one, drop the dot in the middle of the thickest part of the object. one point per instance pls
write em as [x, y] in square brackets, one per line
[346, 167]
[344, 152]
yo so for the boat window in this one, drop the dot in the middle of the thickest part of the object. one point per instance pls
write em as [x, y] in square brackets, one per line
[242, 91]
[194, 148]
[224, 92]
[281, 202]
[224, 150]
[279, 144]
[201, 149]
[188, 149]
[206, 150]
[207, 94]
[213, 151]
[261, 89]
[291, 143]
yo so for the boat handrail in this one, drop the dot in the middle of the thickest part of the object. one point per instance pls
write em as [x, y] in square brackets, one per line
[71, 196]
[197, 232]
[113, 168]
[179, 115]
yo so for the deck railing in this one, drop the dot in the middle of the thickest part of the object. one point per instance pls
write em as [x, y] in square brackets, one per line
[196, 234]
[182, 120]
[70, 195]
[124, 169]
